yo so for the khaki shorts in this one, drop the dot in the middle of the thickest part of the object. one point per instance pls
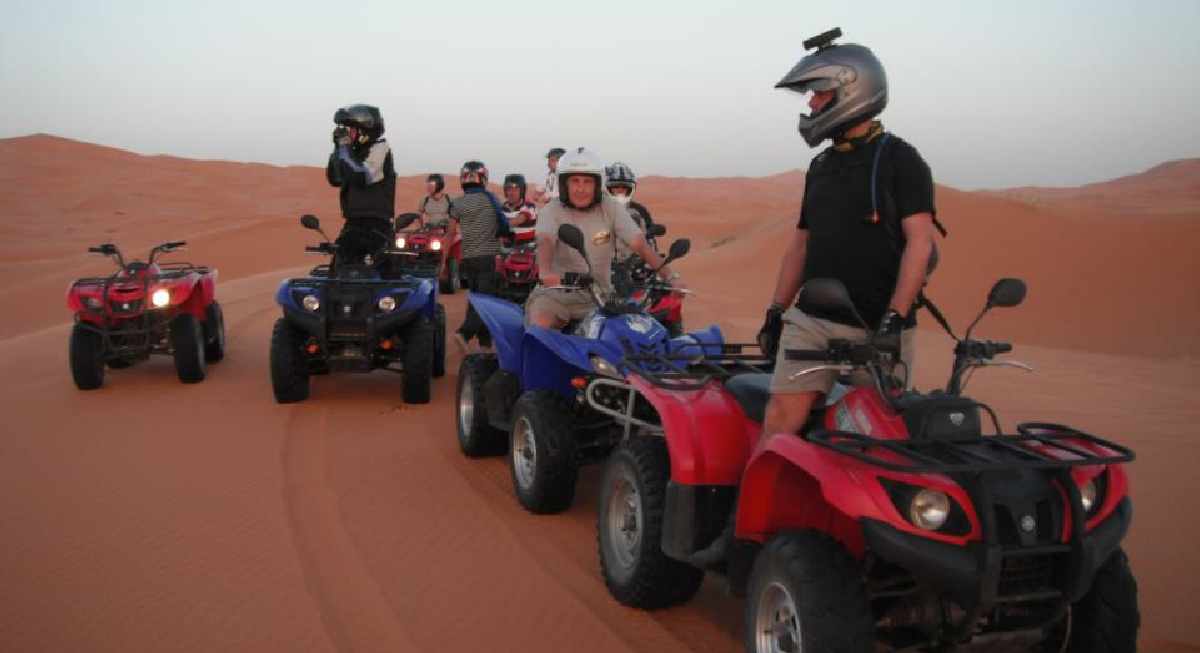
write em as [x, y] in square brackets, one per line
[566, 305]
[801, 331]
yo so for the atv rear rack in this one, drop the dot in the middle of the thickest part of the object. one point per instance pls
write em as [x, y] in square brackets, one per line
[1031, 448]
[693, 365]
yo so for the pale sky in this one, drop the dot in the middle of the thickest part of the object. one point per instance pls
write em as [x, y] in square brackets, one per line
[993, 93]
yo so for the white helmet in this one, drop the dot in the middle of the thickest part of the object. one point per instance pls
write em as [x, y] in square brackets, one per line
[580, 161]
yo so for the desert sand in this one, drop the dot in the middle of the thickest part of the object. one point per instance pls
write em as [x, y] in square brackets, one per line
[154, 516]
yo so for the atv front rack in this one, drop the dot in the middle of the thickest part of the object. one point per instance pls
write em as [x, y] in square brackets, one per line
[142, 319]
[693, 365]
[1033, 447]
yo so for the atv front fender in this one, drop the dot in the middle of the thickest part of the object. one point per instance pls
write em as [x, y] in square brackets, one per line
[792, 484]
[506, 322]
[708, 436]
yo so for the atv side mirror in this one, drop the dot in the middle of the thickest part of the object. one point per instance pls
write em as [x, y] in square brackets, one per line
[1007, 293]
[679, 249]
[829, 294]
[310, 221]
[573, 237]
[405, 219]
[656, 230]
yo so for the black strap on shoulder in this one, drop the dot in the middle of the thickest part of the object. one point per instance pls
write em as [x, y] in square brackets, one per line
[891, 220]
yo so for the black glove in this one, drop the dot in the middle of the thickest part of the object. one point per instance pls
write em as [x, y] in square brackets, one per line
[772, 329]
[887, 335]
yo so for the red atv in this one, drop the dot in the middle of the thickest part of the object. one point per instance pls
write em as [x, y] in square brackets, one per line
[516, 267]
[633, 278]
[428, 242]
[142, 309]
[892, 522]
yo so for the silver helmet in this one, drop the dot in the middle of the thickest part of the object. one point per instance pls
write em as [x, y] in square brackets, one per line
[855, 75]
[620, 174]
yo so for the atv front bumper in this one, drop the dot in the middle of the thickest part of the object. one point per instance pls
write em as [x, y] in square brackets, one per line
[977, 574]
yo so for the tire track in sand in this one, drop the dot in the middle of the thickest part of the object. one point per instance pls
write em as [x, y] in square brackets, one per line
[355, 613]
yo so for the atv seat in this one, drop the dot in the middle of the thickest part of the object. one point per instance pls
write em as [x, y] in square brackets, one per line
[751, 392]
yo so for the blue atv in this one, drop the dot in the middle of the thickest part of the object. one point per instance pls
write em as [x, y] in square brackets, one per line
[561, 395]
[357, 314]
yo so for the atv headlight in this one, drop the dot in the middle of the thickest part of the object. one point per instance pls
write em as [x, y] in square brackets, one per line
[929, 509]
[387, 304]
[435, 245]
[1087, 492]
[160, 298]
[605, 368]
[94, 302]
[400, 242]
[311, 303]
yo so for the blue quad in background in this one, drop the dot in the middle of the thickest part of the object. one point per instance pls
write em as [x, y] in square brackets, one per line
[357, 316]
[557, 399]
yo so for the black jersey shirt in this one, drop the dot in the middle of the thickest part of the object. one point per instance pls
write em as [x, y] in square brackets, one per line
[844, 241]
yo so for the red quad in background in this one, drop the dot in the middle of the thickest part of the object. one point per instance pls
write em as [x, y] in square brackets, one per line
[429, 244]
[633, 278]
[516, 265]
[894, 521]
[143, 309]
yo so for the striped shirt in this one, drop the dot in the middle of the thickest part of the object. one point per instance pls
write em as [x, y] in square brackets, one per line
[476, 218]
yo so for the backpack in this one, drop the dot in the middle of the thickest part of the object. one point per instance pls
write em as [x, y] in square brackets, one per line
[883, 197]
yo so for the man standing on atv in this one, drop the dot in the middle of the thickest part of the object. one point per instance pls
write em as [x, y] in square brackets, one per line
[361, 166]
[520, 212]
[434, 208]
[480, 218]
[840, 235]
[603, 220]
[549, 190]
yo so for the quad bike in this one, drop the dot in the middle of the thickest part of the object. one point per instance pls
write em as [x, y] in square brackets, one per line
[517, 269]
[142, 309]
[557, 399]
[357, 316]
[890, 521]
[633, 278]
[429, 245]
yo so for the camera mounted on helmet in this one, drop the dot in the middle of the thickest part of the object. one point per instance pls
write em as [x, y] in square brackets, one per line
[580, 162]
[823, 40]
[473, 174]
[853, 74]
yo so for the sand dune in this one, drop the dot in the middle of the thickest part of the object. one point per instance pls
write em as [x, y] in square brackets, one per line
[154, 516]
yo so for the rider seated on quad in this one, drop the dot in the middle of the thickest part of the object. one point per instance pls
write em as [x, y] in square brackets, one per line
[434, 207]
[602, 219]
[520, 213]
[622, 184]
[361, 167]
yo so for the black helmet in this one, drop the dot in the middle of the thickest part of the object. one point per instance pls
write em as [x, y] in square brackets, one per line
[854, 74]
[438, 179]
[620, 174]
[364, 116]
[518, 180]
[476, 167]
[555, 153]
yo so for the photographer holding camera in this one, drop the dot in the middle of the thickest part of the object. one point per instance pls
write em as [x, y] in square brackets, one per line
[361, 166]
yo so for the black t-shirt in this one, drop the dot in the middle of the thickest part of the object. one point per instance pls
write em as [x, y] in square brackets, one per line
[844, 242]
